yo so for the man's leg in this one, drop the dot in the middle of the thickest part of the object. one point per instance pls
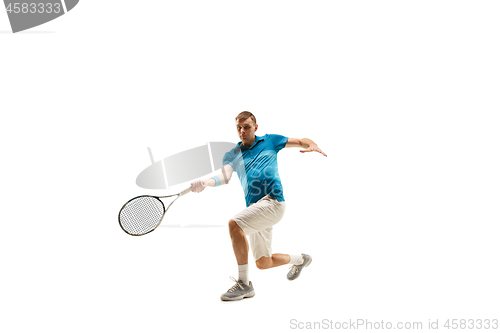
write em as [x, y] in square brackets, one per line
[240, 248]
[275, 260]
[240, 243]
[278, 259]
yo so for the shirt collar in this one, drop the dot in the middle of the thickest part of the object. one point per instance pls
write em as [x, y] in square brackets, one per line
[257, 140]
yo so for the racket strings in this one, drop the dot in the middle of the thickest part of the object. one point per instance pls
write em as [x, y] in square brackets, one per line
[141, 215]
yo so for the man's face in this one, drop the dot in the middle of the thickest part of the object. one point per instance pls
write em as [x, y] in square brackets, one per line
[246, 129]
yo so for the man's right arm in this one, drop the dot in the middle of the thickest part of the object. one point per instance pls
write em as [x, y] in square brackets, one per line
[224, 176]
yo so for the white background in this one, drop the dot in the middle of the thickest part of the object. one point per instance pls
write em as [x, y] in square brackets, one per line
[401, 217]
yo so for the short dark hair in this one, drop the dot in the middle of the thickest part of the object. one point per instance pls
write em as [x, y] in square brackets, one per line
[245, 115]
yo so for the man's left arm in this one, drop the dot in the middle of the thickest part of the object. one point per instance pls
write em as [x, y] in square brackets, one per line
[305, 143]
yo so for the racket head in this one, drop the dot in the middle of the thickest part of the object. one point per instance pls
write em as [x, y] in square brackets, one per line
[141, 215]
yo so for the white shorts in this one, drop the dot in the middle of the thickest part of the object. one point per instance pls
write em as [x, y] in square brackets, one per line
[257, 222]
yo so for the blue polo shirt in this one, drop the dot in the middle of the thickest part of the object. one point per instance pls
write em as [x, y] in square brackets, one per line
[257, 167]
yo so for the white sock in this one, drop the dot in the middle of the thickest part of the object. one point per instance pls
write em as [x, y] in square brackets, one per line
[243, 273]
[296, 259]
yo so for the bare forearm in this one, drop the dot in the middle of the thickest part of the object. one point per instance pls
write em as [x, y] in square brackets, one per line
[211, 181]
[225, 176]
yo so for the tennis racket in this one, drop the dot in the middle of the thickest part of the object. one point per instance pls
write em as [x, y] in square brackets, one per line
[142, 215]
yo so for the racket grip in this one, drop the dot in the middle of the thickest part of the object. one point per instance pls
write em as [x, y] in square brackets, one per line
[186, 191]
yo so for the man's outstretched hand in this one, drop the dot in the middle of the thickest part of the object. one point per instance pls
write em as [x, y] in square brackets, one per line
[313, 148]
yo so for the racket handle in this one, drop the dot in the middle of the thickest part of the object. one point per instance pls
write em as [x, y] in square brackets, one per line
[186, 191]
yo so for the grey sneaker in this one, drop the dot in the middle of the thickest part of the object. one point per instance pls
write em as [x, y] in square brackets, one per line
[296, 269]
[238, 291]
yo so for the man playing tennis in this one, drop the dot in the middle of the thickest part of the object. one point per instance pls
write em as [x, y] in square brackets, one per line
[255, 161]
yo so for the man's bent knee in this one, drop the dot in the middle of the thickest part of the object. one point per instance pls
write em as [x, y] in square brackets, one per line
[264, 262]
[234, 227]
